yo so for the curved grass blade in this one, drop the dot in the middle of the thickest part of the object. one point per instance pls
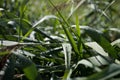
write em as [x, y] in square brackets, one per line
[114, 29]
[97, 48]
[44, 18]
[76, 8]
[106, 74]
[37, 23]
[98, 37]
[116, 42]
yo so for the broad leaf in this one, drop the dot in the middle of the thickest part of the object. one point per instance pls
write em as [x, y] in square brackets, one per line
[98, 37]
[28, 67]
[97, 48]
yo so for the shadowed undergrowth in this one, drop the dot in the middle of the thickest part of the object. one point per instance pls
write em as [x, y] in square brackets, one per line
[59, 40]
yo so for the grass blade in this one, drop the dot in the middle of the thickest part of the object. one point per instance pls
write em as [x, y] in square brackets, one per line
[107, 73]
[67, 74]
[67, 32]
[9, 72]
[79, 36]
[76, 8]
[28, 67]
[98, 37]
[67, 53]
[97, 48]
[37, 23]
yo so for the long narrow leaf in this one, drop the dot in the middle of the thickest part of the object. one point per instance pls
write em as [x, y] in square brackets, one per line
[37, 23]
[98, 37]
[79, 35]
[67, 74]
[28, 67]
[72, 42]
[9, 72]
[97, 48]
[67, 32]
[67, 53]
[106, 74]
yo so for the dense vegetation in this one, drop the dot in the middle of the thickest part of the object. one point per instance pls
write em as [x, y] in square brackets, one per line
[59, 40]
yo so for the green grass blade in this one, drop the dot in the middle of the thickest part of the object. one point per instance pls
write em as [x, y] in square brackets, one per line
[67, 32]
[98, 37]
[76, 8]
[43, 19]
[106, 74]
[79, 35]
[77, 26]
[97, 48]
[67, 74]
[28, 67]
[37, 23]
[72, 41]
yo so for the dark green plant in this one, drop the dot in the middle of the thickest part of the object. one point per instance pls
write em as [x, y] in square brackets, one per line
[59, 40]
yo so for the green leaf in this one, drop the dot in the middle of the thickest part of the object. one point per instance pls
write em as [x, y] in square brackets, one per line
[116, 42]
[65, 25]
[79, 36]
[4, 52]
[67, 74]
[106, 74]
[77, 26]
[37, 23]
[98, 37]
[79, 78]
[97, 48]
[70, 38]
[30, 72]
[28, 67]
[67, 53]
[9, 72]
[114, 30]
[94, 62]
[45, 18]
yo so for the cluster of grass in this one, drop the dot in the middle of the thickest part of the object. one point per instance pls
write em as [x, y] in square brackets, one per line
[59, 40]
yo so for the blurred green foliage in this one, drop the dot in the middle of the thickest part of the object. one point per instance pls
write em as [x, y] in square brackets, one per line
[59, 39]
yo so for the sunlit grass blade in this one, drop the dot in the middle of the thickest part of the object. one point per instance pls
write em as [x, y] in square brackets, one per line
[37, 23]
[67, 53]
[114, 29]
[97, 48]
[106, 74]
[116, 42]
[76, 8]
[98, 37]
[65, 25]
[45, 35]
[78, 35]
[77, 26]
[67, 74]
[45, 18]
